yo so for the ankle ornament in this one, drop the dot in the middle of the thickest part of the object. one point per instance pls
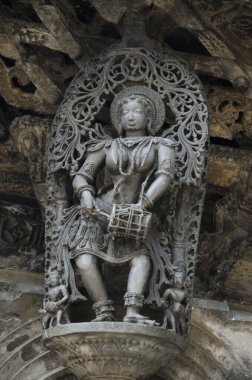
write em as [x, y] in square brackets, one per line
[104, 308]
[133, 299]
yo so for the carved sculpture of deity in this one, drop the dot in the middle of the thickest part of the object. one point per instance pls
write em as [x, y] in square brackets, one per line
[116, 224]
[125, 190]
[126, 167]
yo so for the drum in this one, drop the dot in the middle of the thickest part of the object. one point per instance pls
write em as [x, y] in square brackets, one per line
[129, 221]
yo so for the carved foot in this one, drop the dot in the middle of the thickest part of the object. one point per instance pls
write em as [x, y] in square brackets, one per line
[104, 317]
[140, 319]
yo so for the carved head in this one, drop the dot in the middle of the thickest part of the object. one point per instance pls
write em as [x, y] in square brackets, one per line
[137, 108]
[54, 278]
[135, 114]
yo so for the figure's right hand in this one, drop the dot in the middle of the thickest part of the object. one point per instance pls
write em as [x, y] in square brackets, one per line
[88, 202]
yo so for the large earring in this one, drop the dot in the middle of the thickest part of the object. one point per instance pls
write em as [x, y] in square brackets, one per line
[149, 127]
[120, 129]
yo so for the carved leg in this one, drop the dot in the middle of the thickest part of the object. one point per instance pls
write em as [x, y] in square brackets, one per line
[91, 277]
[52, 320]
[59, 315]
[46, 320]
[171, 320]
[165, 320]
[134, 299]
[66, 317]
[138, 275]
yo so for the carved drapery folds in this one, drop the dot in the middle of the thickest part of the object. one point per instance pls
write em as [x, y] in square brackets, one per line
[172, 159]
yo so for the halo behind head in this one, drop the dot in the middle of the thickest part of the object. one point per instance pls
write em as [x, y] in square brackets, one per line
[153, 98]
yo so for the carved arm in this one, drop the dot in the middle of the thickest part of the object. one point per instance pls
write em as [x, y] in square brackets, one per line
[85, 177]
[164, 175]
[64, 293]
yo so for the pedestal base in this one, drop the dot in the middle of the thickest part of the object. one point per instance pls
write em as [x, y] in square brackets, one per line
[113, 350]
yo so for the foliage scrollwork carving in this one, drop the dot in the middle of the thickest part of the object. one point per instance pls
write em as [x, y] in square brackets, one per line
[101, 79]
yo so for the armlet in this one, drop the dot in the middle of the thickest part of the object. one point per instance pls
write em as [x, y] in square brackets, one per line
[87, 171]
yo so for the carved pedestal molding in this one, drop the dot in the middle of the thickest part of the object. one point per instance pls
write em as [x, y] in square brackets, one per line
[113, 350]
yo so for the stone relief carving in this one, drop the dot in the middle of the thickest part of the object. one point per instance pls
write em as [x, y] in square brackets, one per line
[230, 114]
[21, 236]
[124, 178]
[126, 184]
[137, 356]
[219, 250]
[15, 183]
[55, 301]
[29, 135]
[232, 20]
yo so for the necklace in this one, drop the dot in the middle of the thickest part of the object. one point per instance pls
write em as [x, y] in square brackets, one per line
[131, 141]
[140, 143]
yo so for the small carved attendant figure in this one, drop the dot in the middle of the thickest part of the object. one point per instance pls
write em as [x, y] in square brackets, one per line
[113, 224]
[55, 305]
[174, 314]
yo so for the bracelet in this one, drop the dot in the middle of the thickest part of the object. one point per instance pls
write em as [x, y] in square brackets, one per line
[165, 172]
[147, 200]
[83, 188]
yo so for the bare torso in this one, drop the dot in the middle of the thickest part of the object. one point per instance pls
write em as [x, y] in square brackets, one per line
[126, 187]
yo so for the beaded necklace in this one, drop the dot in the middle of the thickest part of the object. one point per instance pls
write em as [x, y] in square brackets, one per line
[141, 143]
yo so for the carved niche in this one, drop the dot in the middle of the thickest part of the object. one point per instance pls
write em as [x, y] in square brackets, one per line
[126, 183]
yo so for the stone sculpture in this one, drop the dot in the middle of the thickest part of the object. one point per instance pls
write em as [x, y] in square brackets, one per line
[55, 302]
[125, 183]
[142, 161]
[174, 310]
[114, 226]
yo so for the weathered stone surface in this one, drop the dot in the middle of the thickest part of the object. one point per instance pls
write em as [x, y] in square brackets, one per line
[114, 350]
[220, 345]
[50, 46]
[239, 280]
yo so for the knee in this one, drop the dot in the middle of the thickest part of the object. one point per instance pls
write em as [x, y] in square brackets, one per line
[85, 262]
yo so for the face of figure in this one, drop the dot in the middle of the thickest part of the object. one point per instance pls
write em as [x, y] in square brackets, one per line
[54, 280]
[134, 116]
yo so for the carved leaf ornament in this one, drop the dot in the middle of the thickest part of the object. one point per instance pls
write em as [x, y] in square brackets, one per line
[108, 74]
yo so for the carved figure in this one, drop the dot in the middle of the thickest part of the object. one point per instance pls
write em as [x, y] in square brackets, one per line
[174, 310]
[130, 193]
[113, 225]
[55, 304]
